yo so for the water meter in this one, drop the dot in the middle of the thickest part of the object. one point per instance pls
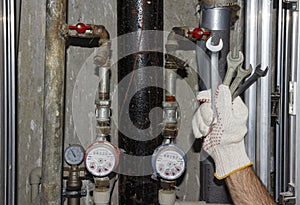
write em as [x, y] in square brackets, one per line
[74, 154]
[169, 161]
[102, 158]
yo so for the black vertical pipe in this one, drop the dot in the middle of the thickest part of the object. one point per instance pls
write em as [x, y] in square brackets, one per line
[139, 16]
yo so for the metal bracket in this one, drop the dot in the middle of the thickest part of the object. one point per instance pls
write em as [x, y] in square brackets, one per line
[275, 97]
[292, 98]
[290, 5]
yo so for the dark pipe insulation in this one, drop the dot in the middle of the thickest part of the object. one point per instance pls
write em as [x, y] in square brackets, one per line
[139, 16]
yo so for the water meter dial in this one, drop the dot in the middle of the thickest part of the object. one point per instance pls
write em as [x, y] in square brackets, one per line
[169, 162]
[74, 154]
[102, 158]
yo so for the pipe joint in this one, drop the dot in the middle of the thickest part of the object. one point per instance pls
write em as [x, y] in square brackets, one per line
[103, 114]
[102, 57]
[166, 197]
[170, 113]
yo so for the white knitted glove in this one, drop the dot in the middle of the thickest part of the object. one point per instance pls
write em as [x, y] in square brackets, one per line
[224, 133]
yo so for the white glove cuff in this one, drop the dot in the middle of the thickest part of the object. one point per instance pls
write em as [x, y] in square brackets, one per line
[230, 159]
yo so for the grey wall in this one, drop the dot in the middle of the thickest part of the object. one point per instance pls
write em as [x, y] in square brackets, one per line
[79, 65]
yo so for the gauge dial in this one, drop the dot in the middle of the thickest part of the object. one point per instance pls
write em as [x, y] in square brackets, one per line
[74, 154]
[102, 158]
[169, 161]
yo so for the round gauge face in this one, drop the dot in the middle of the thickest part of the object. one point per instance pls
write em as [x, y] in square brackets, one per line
[74, 154]
[101, 160]
[169, 163]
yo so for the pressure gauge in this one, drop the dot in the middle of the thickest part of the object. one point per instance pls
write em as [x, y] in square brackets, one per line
[74, 154]
[102, 158]
[169, 162]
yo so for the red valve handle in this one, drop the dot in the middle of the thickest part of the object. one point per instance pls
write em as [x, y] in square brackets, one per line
[80, 27]
[198, 33]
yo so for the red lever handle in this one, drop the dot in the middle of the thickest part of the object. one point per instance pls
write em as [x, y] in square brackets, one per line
[80, 27]
[198, 33]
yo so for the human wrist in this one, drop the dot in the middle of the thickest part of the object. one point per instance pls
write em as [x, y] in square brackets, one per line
[230, 159]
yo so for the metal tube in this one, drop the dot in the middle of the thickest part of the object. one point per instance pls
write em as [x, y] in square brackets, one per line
[2, 144]
[297, 141]
[9, 101]
[170, 82]
[104, 80]
[265, 95]
[278, 133]
[284, 95]
[53, 103]
[73, 201]
[250, 58]
[292, 116]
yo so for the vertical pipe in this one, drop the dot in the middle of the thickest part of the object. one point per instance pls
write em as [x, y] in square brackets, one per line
[292, 116]
[2, 144]
[265, 96]
[9, 101]
[53, 102]
[284, 94]
[279, 136]
[297, 141]
[250, 58]
[138, 16]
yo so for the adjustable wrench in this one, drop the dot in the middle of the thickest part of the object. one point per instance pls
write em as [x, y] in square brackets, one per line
[232, 66]
[240, 76]
[256, 75]
[215, 78]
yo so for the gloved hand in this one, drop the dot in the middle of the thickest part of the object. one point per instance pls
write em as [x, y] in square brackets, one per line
[224, 133]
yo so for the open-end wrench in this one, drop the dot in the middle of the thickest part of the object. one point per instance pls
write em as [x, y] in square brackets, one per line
[256, 75]
[232, 66]
[214, 75]
[240, 76]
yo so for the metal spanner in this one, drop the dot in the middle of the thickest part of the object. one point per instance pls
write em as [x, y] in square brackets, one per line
[240, 76]
[256, 75]
[214, 76]
[232, 66]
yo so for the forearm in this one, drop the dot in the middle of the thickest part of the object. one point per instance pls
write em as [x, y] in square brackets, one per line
[246, 189]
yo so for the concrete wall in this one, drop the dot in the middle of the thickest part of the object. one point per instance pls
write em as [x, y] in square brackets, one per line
[80, 67]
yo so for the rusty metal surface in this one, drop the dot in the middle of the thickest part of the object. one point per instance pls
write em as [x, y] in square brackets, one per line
[139, 16]
[53, 102]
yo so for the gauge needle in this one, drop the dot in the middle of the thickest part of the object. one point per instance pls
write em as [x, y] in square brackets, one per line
[73, 153]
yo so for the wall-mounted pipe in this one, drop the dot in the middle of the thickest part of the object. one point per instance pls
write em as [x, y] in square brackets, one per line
[8, 98]
[139, 16]
[102, 61]
[53, 102]
[250, 58]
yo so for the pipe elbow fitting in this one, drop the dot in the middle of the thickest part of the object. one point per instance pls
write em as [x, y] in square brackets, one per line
[35, 176]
